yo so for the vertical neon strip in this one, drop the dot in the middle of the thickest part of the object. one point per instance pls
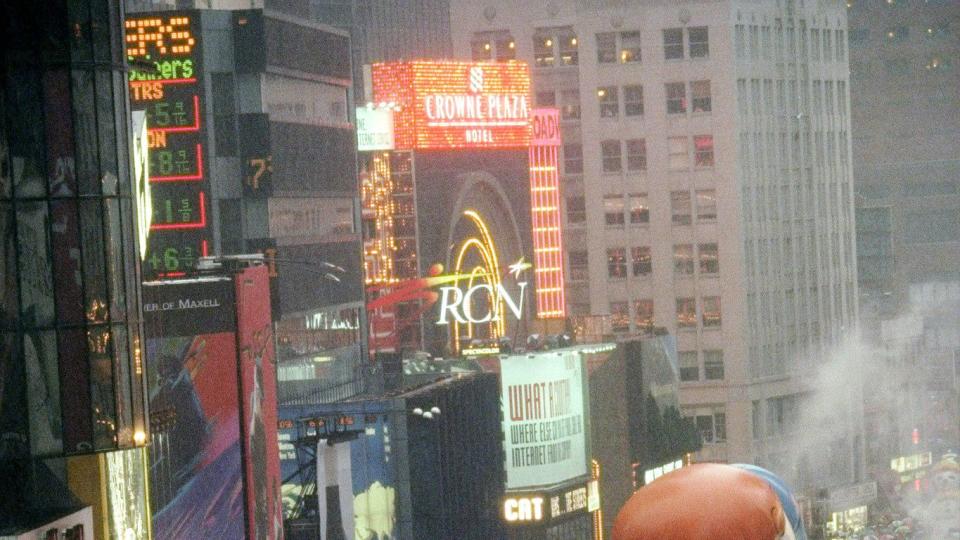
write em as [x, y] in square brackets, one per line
[547, 236]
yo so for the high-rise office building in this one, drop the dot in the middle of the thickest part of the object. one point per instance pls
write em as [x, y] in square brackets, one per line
[72, 383]
[906, 139]
[708, 190]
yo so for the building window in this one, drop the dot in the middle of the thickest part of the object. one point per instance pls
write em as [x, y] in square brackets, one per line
[620, 316]
[617, 263]
[676, 98]
[609, 101]
[547, 98]
[543, 51]
[712, 426]
[677, 148]
[636, 154]
[680, 207]
[700, 96]
[568, 48]
[711, 311]
[689, 366]
[613, 210]
[703, 150]
[706, 205]
[506, 49]
[673, 43]
[576, 209]
[573, 158]
[629, 47]
[644, 315]
[481, 50]
[639, 210]
[610, 151]
[607, 48]
[709, 258]
[683, 259]
[699, 42]
[633, 100]
[570, 104]
[579, 265]
[641, 261]
[686, 313]
[713, 365]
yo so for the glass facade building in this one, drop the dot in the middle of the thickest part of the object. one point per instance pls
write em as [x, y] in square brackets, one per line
[71, 378]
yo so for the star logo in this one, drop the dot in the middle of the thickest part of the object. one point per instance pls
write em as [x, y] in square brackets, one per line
[518, 267]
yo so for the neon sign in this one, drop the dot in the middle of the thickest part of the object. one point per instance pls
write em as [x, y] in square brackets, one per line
[447, 104]
[523, 509]
[459, 304]
[170, 94]
[545, 214]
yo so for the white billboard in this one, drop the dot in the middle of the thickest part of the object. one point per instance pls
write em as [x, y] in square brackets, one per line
[374, 129]
[544, 421]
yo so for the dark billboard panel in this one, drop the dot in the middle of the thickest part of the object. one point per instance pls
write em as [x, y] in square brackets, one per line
[196, 452]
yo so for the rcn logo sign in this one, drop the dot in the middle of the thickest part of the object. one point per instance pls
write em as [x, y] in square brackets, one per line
[458, 304]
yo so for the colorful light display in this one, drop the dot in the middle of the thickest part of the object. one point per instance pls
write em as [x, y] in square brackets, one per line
[447, 104]
[545, 214]
[171, 95]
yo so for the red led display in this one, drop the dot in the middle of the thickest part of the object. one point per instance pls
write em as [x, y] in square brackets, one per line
[165, 81]
[545, 214]
[447, 104]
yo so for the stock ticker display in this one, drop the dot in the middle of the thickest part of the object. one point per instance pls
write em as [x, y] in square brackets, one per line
[166, 81]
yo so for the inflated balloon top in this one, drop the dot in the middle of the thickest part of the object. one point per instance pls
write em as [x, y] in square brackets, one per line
[703, 501]
[790, 508]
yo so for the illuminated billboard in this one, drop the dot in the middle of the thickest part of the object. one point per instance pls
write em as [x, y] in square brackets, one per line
[545, 214]
[449, 104]
[166, 83]
[374, 129]
[544, 421]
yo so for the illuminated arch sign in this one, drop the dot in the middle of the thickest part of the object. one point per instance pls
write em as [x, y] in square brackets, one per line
[447, 104]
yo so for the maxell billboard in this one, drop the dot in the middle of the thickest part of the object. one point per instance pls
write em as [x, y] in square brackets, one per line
[544, 418]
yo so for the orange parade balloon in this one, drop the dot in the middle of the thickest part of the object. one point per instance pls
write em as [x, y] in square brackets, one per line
[700, 502]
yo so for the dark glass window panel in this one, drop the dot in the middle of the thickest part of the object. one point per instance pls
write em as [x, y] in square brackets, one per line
[130, 261]
[84, 122]
[26, 146]
[629, 47]
[103, 407]
[81, 46]
[9, 300]
[137, 378]
[43, 393]
[100, 30]
[123, 134]
[65, 243]
[12, 395]
[115, 255]
[75, 396]
[481, 50]
[225, 134]
[610, 152]
[506, 49]
[106, 132]
[59, 139]
[35, 271]
[122, 386]
[6, 190]
[222, 85]
[92, 259]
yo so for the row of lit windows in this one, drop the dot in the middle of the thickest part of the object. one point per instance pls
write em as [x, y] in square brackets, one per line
[686, 313]
[685, 261]
[560, 46]
[636, 209]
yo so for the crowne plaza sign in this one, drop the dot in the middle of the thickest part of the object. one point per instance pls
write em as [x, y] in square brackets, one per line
[449, 104]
